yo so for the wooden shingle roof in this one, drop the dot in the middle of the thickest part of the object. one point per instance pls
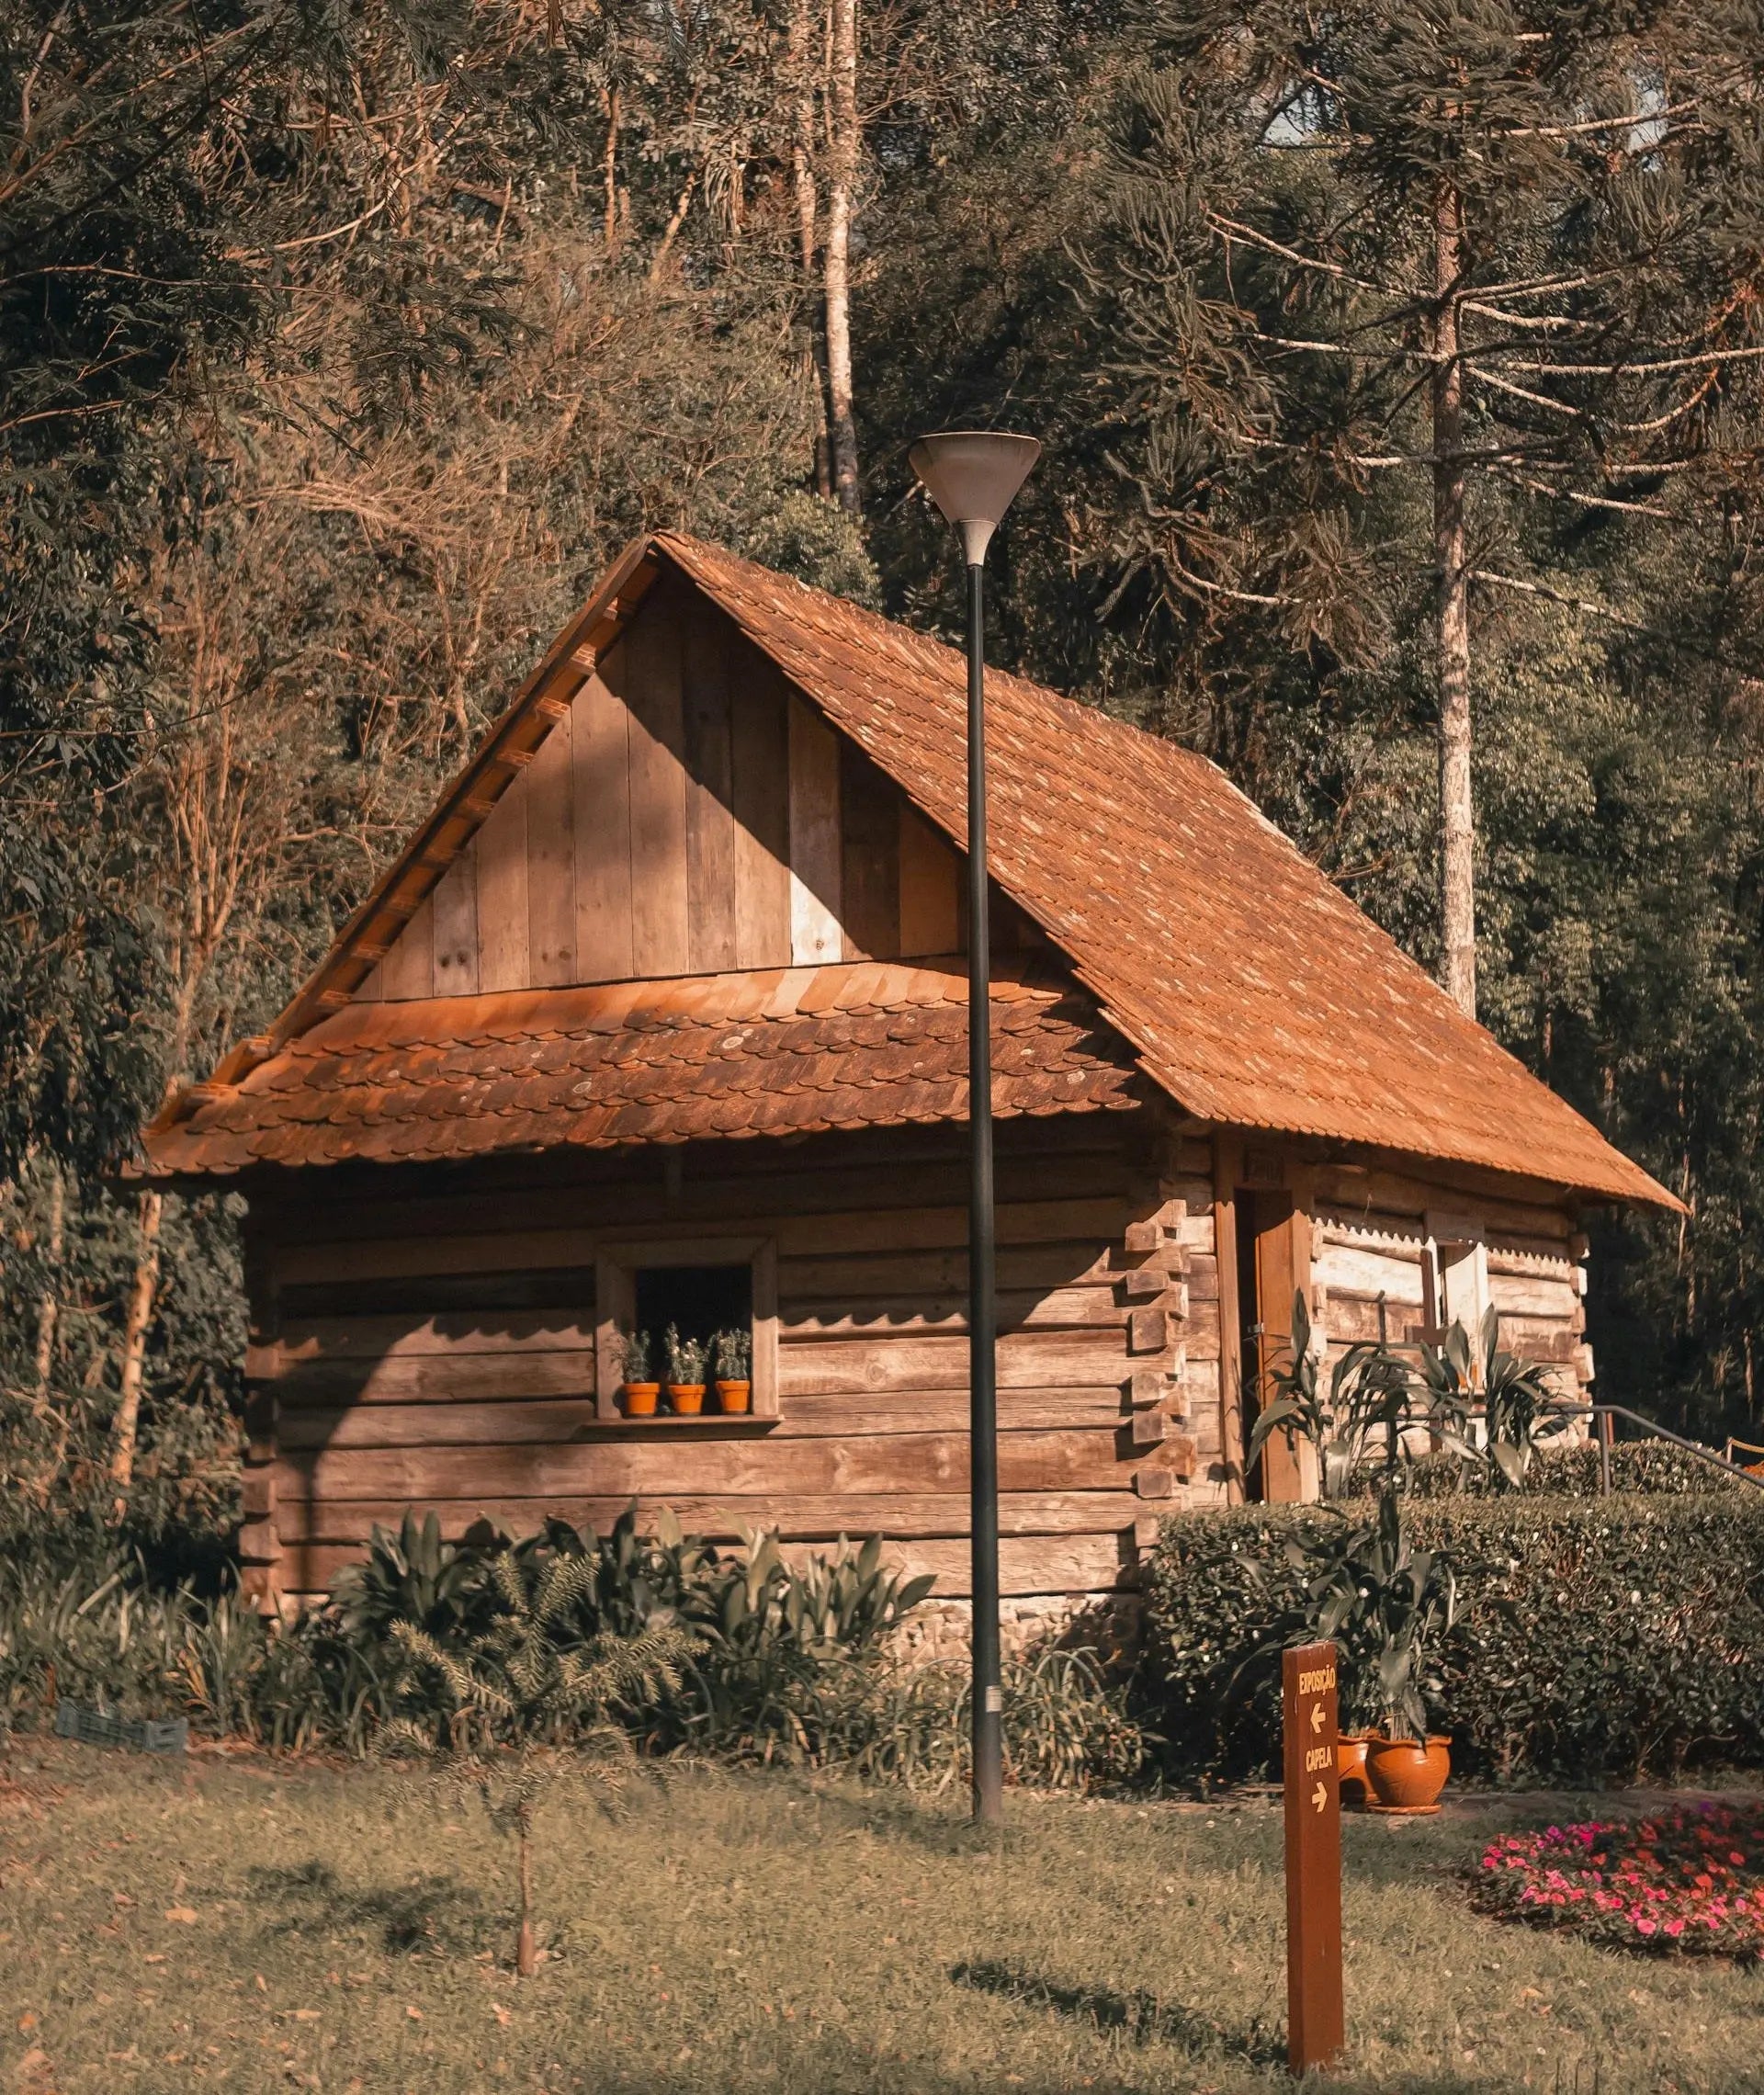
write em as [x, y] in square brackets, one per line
[781, 1051]
[1250, 988]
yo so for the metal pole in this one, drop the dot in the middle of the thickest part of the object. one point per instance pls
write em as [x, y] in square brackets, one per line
[982, 1364]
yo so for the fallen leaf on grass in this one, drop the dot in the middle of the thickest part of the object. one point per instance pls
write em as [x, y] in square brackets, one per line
[27, 2021]
[186, 1914]
[34, 2061]
[157, 1956]
[416, 2014]
[501, 2013]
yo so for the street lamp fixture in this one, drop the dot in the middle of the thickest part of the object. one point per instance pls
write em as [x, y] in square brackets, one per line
[973, 476]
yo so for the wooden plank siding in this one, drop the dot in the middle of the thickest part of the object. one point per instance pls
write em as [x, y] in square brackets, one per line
[687, 815]
[388, 1387]
[1372, 1243]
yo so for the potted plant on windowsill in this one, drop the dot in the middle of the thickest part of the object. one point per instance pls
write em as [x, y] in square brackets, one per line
[686, 1373]
[640, 1393]
[734, 1351]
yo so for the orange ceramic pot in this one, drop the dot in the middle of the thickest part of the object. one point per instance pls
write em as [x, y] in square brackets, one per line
[1405, 1776]
[641, 1400]
[733, 1395]
[687, 1399]
[1350, 1766]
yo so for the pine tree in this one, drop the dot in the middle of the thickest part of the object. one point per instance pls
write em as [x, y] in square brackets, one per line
[1423, 289]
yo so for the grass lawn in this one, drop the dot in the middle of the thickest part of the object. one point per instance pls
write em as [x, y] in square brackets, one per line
[259, 1926]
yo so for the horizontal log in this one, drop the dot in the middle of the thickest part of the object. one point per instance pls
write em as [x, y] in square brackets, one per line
[641, 1199]
[1393, 1199]
[1346, 1270]
[569, 1420]
[1526, 1294]
[427, 1378]
[1019, 1222]
[862, 1275]
[443, 1294]
[1027, 1564]
[1027, 1360]
[718, 1520]
[412, 1336]
[1055, 1310]
[881, 1230]
[697, 1465]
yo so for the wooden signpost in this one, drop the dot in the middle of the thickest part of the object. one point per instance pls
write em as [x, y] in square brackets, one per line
[1314, 2025]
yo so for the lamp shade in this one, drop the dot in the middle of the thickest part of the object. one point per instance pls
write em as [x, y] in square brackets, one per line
[973, 476]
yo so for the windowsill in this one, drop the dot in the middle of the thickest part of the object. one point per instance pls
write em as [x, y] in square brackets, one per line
[667, 1422]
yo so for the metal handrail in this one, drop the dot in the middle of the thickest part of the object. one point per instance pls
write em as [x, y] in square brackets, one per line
[1659, 1431]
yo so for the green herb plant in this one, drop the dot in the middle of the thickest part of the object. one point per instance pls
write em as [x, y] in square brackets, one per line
[734, 1351]
[686, 1357]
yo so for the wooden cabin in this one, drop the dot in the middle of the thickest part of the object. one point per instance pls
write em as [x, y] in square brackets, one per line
[661, 1015]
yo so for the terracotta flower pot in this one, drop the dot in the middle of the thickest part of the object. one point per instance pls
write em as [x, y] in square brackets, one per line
[687, 1399]
[640, 1398]
[1405, 1776]
[1350, 1766]
[734, 1396]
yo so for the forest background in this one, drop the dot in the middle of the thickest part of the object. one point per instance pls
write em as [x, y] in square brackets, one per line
[1397, 370]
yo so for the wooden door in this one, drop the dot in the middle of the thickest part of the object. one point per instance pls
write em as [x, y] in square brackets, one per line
[1273, 1261]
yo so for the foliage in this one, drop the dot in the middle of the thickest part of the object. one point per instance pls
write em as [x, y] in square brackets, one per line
[599, 1645]
[686, 1357]
[1596, 1639]
[1387, 1603]
[734, 1351]
[1519, 1405]
[1688, 1881]
[634, 1355]
[1647, 1467]
[1373, 1400]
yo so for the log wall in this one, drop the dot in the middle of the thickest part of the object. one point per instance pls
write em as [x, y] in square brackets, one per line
[435, 1348]
[424, 1340]
[1375, 1233]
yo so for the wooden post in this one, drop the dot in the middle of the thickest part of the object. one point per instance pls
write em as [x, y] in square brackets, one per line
[1314, 2019]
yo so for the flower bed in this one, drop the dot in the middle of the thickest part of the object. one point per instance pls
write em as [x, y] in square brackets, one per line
[1685, 1880]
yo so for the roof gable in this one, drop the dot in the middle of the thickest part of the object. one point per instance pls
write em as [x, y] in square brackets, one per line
[1255, 992]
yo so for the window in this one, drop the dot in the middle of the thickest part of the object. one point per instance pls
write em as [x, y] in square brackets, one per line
[702, 1285]
[1461, 1266]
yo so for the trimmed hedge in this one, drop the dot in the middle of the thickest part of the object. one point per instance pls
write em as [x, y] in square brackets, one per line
[1598, 1639]
[1653, 1468]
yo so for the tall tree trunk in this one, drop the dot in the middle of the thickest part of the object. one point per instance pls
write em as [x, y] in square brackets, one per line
[136, 1324]
[1457, 812]
[802, 167]
[49, 1310]
[842, 178]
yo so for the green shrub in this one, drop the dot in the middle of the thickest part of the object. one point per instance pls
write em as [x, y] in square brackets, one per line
[735, 1654]
[1596, 1638]
[1654, 1468]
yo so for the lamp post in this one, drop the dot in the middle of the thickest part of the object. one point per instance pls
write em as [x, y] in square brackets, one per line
[973, 476]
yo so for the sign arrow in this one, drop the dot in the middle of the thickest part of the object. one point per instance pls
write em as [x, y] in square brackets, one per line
[1316, 1716]
[1319, 1797]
